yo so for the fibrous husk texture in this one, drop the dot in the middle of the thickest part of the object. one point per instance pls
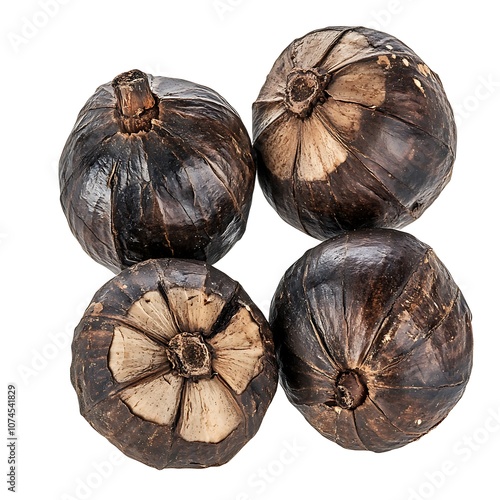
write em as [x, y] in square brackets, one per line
[174, 364]
[173, 180]
[373, 338]
[352, 129]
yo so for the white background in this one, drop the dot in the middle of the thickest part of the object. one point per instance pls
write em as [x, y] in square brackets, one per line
[53, 58]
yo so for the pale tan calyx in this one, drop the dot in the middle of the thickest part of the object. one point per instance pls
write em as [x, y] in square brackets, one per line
[132, 354]
[238, 351]
[176, 372]
[155, 400]
[151, 314]
[209, 412]
[325, 112]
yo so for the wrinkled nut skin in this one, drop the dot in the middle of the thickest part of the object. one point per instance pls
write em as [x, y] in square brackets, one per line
[101, 376]
[352, 130]
[373, 338]
[180, 186]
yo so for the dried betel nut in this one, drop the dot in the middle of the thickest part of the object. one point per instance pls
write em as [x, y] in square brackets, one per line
[352, 129]
[373, 339]
[156, 167]
[174, 364]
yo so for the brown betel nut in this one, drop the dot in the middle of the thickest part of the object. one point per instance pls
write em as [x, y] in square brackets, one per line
[156, 167]
[174, 364]
[373, 339]
[351, 130]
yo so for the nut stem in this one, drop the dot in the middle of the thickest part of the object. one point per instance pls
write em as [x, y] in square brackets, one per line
[304, 88]
[136, 102]
[189, 355]
[351, 391]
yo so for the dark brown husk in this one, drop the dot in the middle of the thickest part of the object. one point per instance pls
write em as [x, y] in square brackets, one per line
[373, 337]
[156, 167]
[102, 389]
[352, 129]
